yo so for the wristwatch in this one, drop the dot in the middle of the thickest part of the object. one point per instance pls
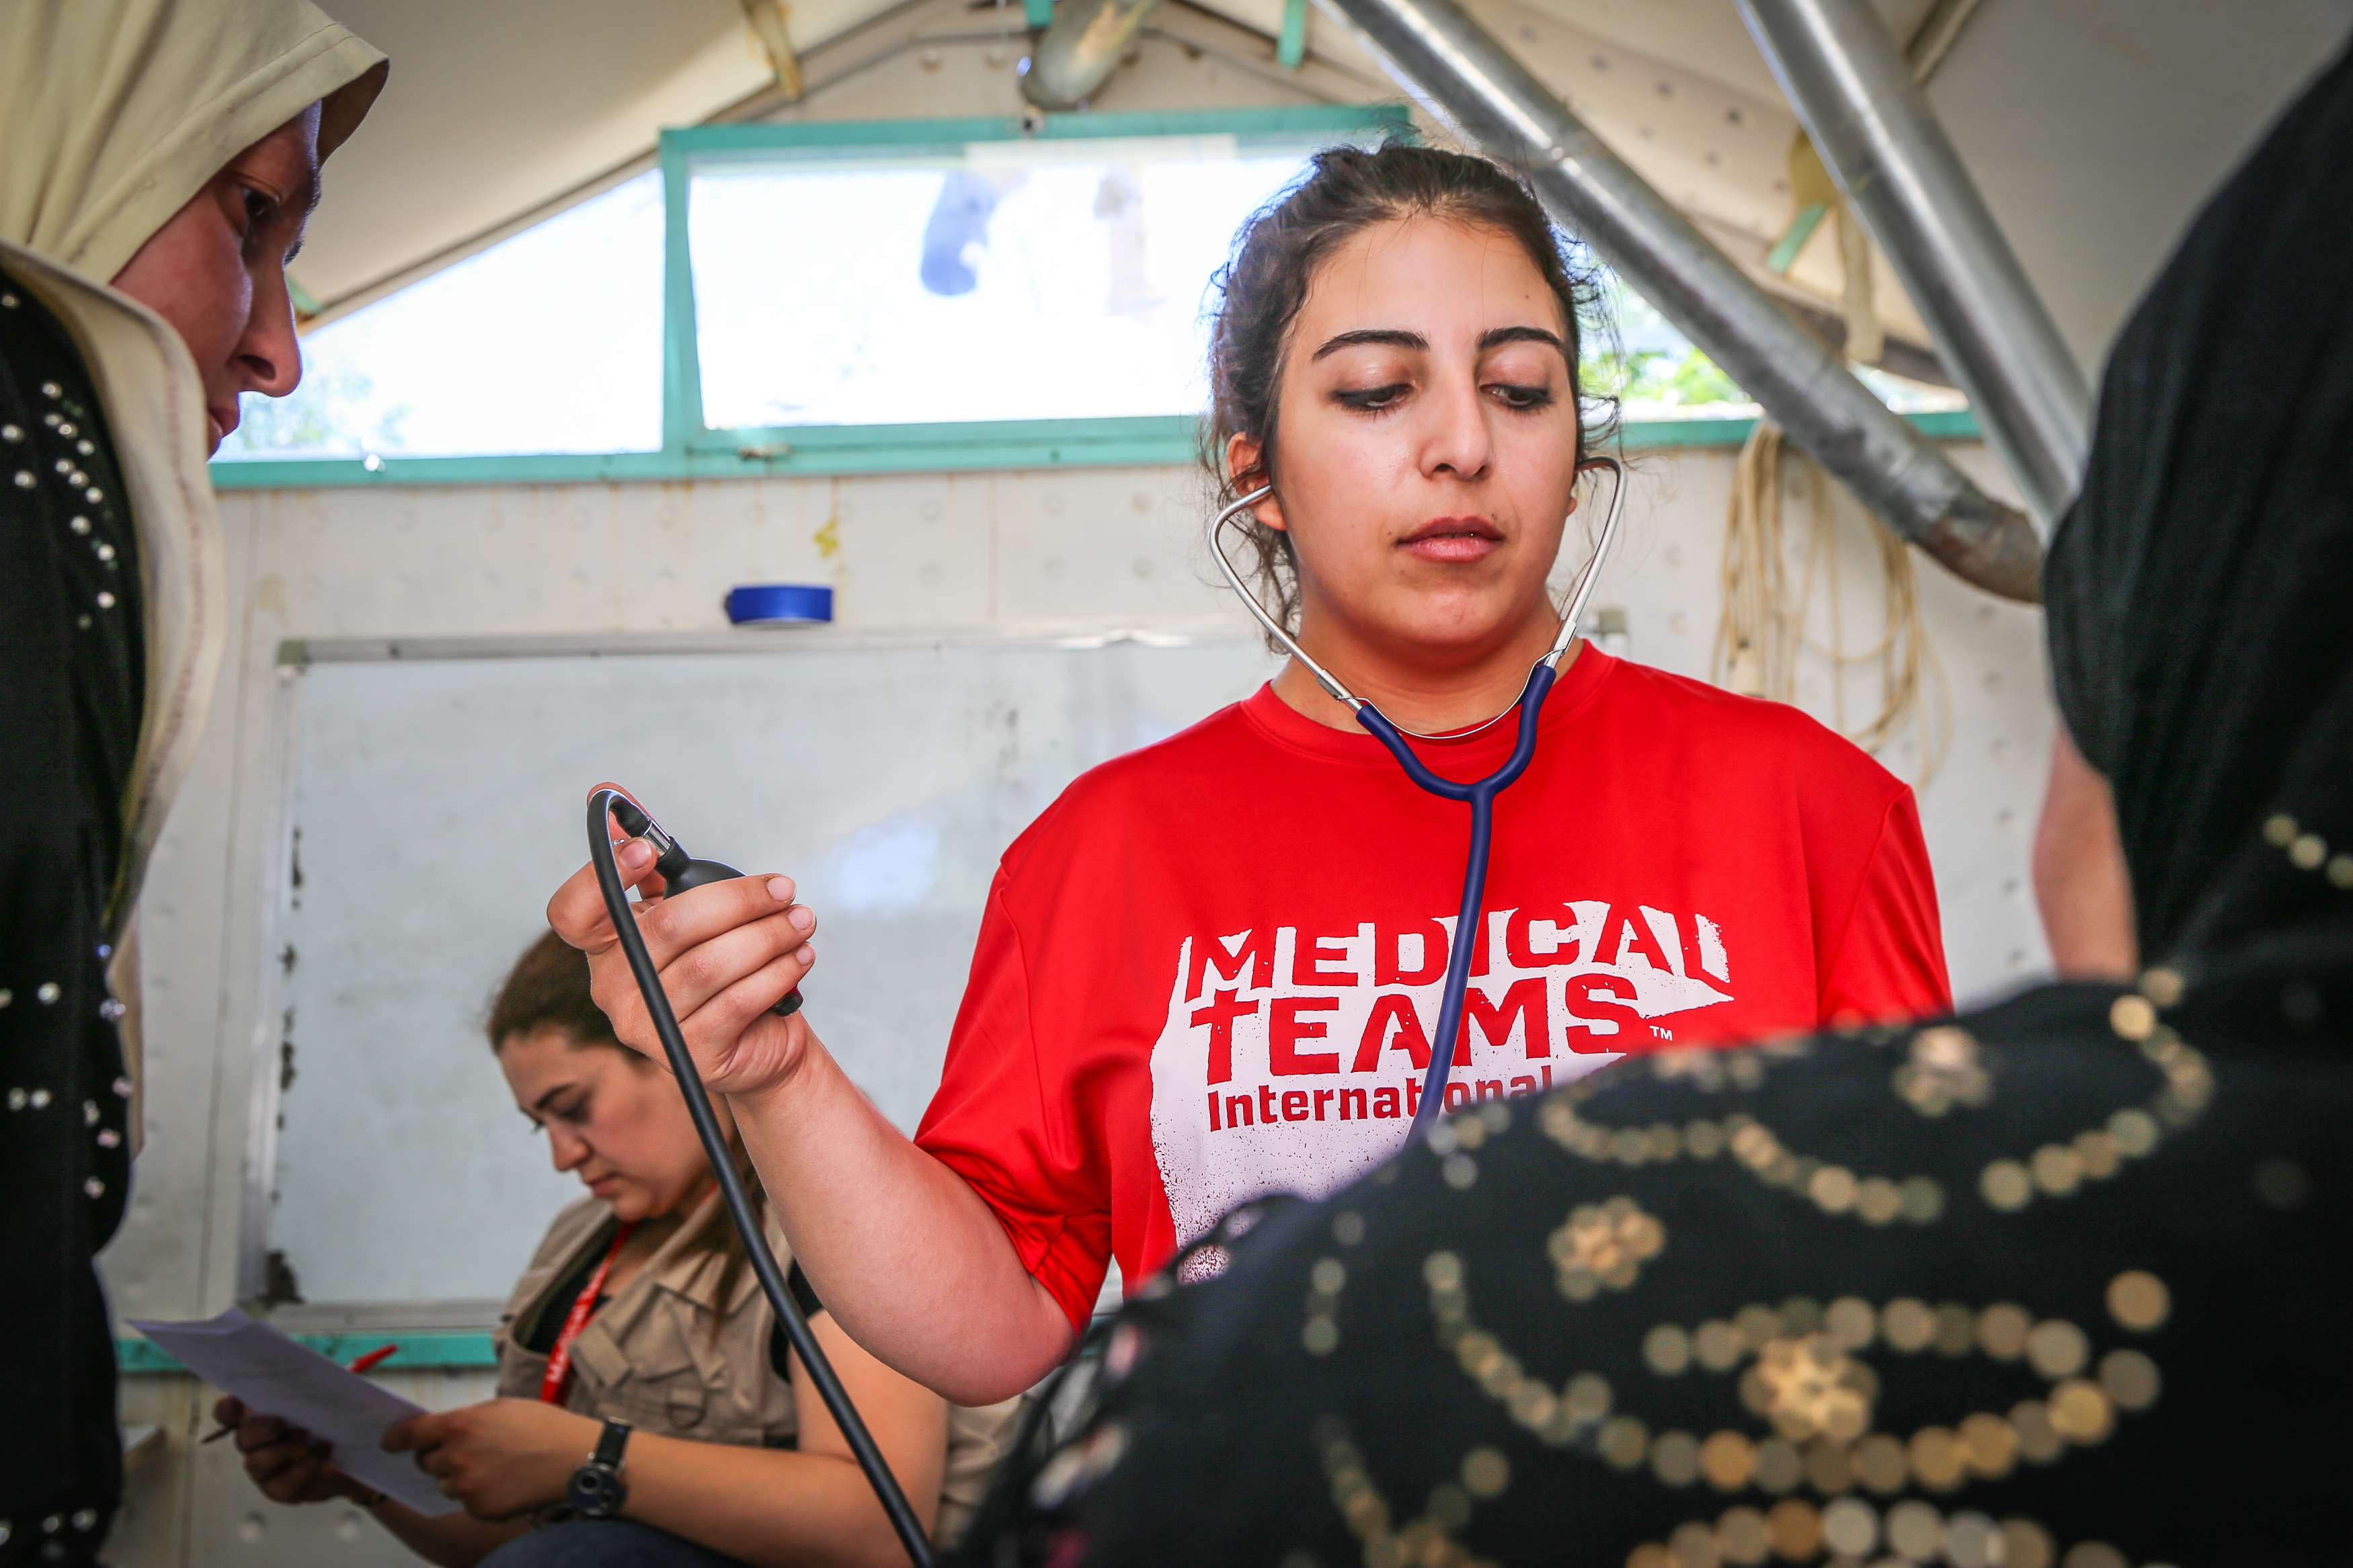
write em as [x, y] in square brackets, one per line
[598, 1490]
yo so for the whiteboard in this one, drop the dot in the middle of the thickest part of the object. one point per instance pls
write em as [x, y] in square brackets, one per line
[436, 803]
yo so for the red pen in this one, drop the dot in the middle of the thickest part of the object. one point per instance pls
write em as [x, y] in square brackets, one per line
[368, 1363]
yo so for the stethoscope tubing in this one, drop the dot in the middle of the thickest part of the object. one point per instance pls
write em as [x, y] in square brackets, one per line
[1479, 794]
[887, 1490]
[1481, 797]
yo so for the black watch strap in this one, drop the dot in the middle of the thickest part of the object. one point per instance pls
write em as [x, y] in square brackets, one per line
[610, 1442]
[598, 1490]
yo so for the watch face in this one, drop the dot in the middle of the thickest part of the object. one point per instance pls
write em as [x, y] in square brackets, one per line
[597, 1491]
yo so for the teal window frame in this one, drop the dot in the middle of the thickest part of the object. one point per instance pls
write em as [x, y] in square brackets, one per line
[443, 1349]
[692, 451]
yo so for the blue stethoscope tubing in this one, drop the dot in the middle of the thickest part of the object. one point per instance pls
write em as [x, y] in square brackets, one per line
[1479, 794]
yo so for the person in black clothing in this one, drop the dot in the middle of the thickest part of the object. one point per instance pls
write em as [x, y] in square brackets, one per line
[2065, 1283]
[142, 293]
[69, 584]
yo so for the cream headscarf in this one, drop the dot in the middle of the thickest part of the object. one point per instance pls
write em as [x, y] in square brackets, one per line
[117, 112]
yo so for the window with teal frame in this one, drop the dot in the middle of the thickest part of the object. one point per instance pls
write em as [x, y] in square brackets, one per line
[855, 297]
[959, 294]
[866, 297]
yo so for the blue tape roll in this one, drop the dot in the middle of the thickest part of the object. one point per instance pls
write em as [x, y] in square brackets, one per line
[773, 604]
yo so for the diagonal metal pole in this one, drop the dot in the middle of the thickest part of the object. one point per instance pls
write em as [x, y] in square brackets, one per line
[1864, 110]
[1439, 53]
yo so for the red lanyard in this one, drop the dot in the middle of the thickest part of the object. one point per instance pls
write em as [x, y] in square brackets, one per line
[559, 1359]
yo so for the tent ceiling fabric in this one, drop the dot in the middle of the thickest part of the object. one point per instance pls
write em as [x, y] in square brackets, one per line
[532, 98]
[494, 109]
[1705, 37]
[2096, 128]
[2093, 127]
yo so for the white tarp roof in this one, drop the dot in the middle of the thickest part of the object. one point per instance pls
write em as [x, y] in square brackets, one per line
[2095, 127]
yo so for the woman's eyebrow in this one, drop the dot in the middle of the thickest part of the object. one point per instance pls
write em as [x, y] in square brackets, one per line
[540, 1103]
[305, 200]
[1396, 338]
[1498, 336]
[1386, 337]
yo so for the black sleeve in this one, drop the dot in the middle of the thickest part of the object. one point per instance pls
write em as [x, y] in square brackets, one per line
[69, 723]
[804, 1298]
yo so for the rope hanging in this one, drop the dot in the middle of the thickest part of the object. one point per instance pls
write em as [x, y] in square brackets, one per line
[1762, 636]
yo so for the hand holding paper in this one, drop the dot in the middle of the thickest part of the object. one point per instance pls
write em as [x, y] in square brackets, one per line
[270, 1374]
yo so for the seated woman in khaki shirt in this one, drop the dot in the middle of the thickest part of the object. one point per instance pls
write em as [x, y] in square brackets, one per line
[733, 1458]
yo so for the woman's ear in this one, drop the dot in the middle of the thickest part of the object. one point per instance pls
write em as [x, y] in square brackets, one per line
[1594, 466]
[1242, 460]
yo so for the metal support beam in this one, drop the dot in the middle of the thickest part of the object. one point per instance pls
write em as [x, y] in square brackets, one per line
[1078, 53]
[1439, 53]
[1868, 119]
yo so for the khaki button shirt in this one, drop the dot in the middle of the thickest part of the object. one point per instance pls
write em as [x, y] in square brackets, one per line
[668, 1355]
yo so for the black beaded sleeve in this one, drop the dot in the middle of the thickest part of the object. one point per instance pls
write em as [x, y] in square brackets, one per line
[71, 671]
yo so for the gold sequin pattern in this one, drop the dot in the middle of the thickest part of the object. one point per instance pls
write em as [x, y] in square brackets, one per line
[1427, 1541]
[1805, 1371]
[1944, 1068]
[1812, 1387]
[1603, 1247]
[1799, 1370]
[1852, 1530]
[2138, 1300]
[2307, 851]
[2097, 1154]
[1319, 1334]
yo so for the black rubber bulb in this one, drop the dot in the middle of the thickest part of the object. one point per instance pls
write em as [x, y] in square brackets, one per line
[681, 871]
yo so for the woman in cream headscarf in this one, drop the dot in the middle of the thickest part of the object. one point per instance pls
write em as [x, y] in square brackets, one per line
[162, 159]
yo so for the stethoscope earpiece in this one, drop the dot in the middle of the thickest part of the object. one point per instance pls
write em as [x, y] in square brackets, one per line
[1571, 617]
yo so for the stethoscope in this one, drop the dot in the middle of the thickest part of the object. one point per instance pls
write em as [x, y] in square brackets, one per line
[1479, 794]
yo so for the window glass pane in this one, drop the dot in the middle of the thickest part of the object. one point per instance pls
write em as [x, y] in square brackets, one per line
[547, 342]
[1032, 280]
[1658, 374]
[1006, 280]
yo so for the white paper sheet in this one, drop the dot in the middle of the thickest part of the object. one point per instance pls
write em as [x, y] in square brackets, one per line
[275, 1377]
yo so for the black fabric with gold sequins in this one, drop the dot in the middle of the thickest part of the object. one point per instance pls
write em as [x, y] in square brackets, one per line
[1779, 1305]
[72, 669]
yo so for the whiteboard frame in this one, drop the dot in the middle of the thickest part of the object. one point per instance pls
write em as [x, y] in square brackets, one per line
[297, 654]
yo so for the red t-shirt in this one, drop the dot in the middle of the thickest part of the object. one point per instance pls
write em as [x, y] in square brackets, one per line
[1209, 970]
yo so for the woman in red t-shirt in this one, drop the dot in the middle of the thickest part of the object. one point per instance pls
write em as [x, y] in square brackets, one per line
[1211, 968]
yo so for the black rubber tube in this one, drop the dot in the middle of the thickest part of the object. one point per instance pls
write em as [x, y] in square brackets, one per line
[730, 1188]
